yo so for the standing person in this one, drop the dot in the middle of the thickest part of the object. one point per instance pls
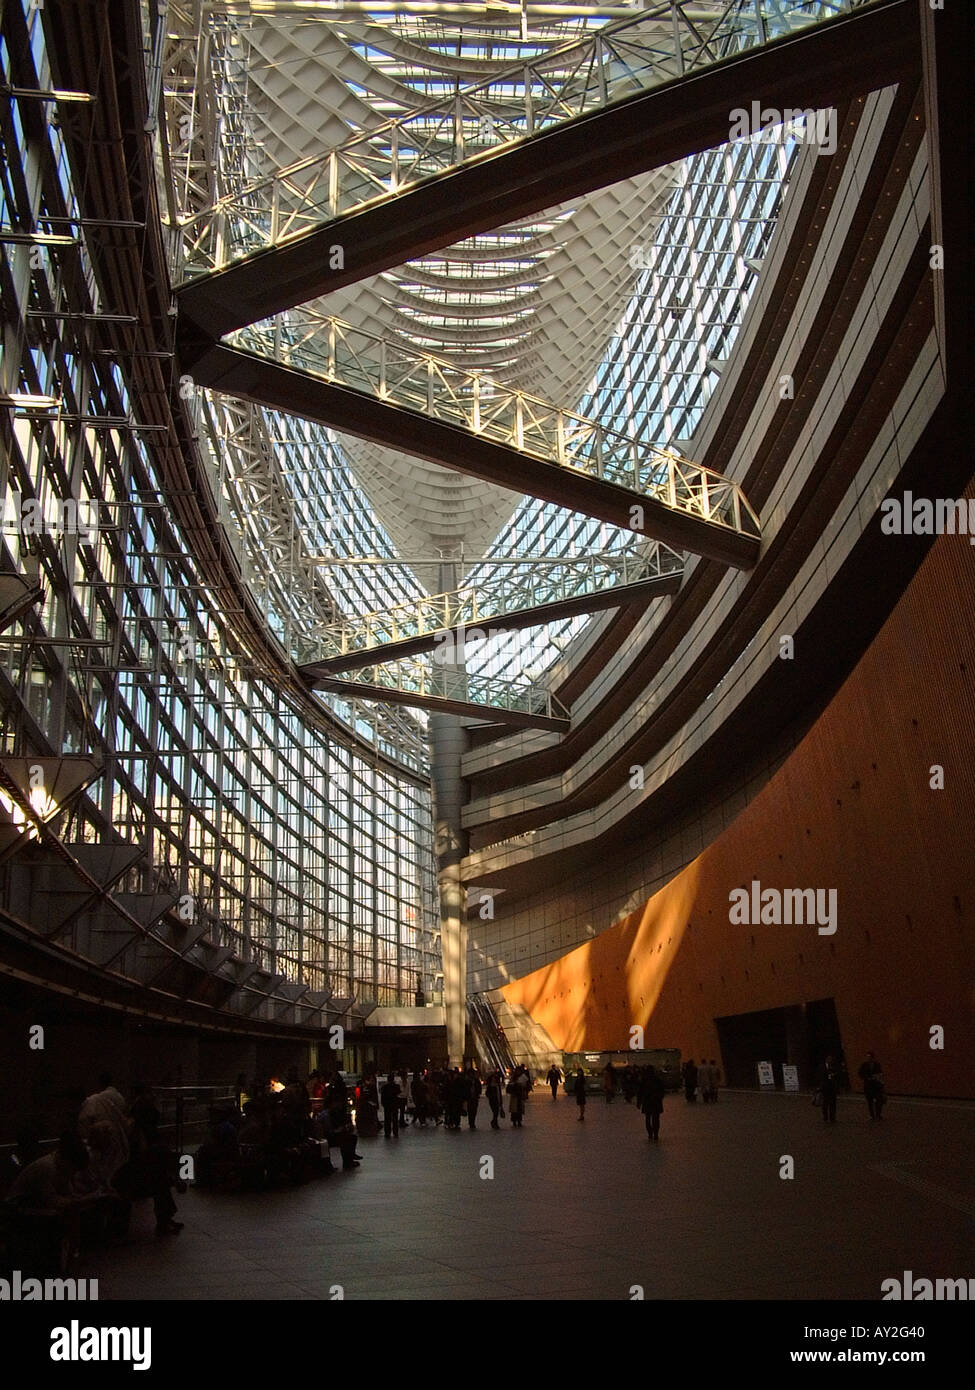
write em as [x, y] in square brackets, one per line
[367, 1108]
[474, 1089]
[153, 1168]
[418, 1091]
[404, 1091]
[389, 1095]
[715, 1080]
[651, 1102]
[828, 1085]
[553, 1078]
[871, 1073]
[579, 1091]
[609, 1082]
[704, 1081]
[494, 1091]
[689, 1071]
[456, 1095]
[518, 1090]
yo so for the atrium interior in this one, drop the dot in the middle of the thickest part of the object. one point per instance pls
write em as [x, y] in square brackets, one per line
[486, 582]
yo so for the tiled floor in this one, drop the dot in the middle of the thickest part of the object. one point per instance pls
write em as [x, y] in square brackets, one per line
[587, 1211]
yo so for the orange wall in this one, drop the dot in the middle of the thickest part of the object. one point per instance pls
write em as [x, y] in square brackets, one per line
[851, 809]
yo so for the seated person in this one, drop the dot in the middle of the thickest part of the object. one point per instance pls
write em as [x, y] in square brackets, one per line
[46, 1191]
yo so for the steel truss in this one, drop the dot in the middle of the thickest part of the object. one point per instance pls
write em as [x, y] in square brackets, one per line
[534, 595]
[415, 682]
[664, 41]
[327, 348]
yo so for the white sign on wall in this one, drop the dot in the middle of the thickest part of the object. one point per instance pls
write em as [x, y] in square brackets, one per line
[765, 1074]
[790, 1078]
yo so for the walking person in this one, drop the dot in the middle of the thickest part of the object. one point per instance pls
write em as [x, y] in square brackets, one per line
[871, 1073]
[609, 1082]
[715, 1080]
[389, 1095]
[579, 1091]
[828, 1086]
[553, 1078]
[495, 1093]
[651, 1101]
[689, 1071]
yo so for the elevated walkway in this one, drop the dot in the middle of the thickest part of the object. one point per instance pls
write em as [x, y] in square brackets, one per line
[635, 95]
[537, 594]
[356, 382]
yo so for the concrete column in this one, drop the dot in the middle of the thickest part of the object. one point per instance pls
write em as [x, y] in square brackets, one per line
[448, 743]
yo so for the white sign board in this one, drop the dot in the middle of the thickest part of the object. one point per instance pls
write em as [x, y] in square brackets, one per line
[765, 1075]
[790, 1078]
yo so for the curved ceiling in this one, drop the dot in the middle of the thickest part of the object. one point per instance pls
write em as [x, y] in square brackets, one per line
[532, 304]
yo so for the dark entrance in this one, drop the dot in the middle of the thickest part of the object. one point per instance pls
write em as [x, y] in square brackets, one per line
[799, 1035]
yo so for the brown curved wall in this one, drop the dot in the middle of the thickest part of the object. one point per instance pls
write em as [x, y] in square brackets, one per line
[851, 809]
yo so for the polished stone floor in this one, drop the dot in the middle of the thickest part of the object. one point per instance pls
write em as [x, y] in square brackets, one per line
[587, 1211]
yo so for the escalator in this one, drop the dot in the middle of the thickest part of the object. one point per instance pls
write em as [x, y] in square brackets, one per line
[488, 1035]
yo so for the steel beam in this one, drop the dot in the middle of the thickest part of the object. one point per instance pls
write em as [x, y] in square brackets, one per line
[296, 392]
[841, 58]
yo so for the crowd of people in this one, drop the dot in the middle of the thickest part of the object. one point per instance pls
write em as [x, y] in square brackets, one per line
[279, 1133]
[110, 1155]
[440, 1096]
[701, 1078]
[283, 1132]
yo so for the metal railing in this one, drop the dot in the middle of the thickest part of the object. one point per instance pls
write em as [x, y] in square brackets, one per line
[439, 683]
[664, 41]
[490, 1040]
[335, 351]
[496, 598]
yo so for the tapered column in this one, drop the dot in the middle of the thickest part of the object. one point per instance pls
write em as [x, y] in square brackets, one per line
[448, 743]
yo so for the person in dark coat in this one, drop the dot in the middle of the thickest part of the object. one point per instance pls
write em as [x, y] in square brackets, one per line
[871, 1074]
[828, 1085]
[474, 1089]
[494, 1090]
[456, 1095]
[690, 1080]
[389, 1095]
[651, 1099]
[517, 1090]
[579, 1091]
